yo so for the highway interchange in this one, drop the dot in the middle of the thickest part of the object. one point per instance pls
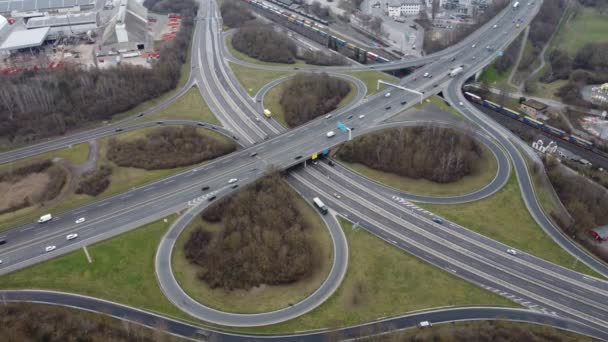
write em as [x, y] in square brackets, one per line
[389, 214]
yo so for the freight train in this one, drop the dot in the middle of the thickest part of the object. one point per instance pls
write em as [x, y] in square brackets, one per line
[301, 12]
[529, 121]
[333, 42]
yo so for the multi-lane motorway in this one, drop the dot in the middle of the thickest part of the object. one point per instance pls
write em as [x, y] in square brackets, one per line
[533, 282]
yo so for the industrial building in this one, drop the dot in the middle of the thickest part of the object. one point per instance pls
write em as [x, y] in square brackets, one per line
[26, 8]
[128, 29]
[66, 24]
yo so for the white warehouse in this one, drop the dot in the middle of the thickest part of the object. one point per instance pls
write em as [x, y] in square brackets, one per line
[403, 8]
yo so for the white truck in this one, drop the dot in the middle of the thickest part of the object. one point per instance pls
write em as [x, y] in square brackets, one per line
[45, 218]
[456, 71]
[516, 4]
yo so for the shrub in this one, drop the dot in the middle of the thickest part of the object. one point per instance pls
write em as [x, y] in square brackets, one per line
[263, 239]
[235, 14]
[306, 97]
[167, 148]
[95, 182]
[436, 154]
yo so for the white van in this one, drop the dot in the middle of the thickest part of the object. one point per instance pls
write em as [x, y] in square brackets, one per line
[331, 134]
[45, 218]
[424, 324]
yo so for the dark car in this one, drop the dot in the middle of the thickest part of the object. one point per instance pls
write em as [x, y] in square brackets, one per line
[387, 107]
[201, 124]
[253, 154]
[205, 188]
[213, 127]
[2, 241]
[453, 59]
[140, 115]
[403, 102]
[435, 85]
[235, 137]
[119, 130]
[330, 163]
[211, 198]
[298, 157]
[159, 122]
[234, 186]
[437, 220]
[349, 117]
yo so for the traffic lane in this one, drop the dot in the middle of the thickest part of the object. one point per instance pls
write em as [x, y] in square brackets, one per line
[469, 240]
[503, 271]
[453, 95]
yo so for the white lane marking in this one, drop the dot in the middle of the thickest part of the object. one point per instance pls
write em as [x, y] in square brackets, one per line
[102, 204]
[28, 228]
[148, 189]
[126, 196]
[86, 252]
[170, 181]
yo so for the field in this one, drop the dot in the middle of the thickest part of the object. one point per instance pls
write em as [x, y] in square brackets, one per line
[504, 217]
[273, 96]
[370, 78]
[487, 172]
[190, 106]
[439, 103]
[380, 282]
[122, 270]
[76, 154]
[587, 26]
[254, 79]
[264, 298]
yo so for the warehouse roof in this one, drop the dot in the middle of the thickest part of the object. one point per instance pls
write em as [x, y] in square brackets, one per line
[62, 20]
[25, 39]
[34, 5]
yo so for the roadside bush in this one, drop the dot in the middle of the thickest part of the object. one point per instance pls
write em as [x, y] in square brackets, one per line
[440, 155]
[321, 58]
[167, 148]
[95, 182]
[263, 239]
[306, 97]
[48, 323]
[262, 42]
[167, 6]
[235, 14]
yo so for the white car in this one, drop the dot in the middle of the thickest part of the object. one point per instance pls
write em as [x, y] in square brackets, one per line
[387, 95]
[331, 134]
[71, 236]
[50, 248]
[495, 26]
[328, 116]
[80, 220]
[0, 261]
[337, 196]
[512, 251]
[460, 103]
[426, 74]
[233, 180]
[424, 324]
[473, 46]
[361, 116]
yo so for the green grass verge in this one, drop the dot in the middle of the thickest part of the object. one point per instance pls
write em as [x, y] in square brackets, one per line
[548, 90]
[122, 179]
[587, 26]
[504, 217]
[492, 77]
[273, 98]
[254, 79]
[383, 281]
[370, 78]
[440, 103]
[122, 271]
[263, 298]
[487, 171]
[243, 57]
[76, 154]
[190, 106]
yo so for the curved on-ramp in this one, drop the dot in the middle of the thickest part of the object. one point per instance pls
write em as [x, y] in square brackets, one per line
[173, 291]
[195, 332]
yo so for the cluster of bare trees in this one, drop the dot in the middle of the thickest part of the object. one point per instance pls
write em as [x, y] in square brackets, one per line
[57, 179]
[95, 182]
[308, 96]
[167, 148]
[35, 105]
[167, 6]
[21, 322]
[570, 92]
[262, 42]
[430, 44]
[429, 152]
[235, 14]
[319, 10]
[509, 56]
[263, 239]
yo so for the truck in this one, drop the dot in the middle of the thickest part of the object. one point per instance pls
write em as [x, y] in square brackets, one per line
[516, 4]
[456, 71]
[45, 218]
[320, 205]
[267, 113]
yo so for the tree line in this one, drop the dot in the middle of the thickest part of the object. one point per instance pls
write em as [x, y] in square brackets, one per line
[235, 14]
[460, 31]
[167, 148]
[57, 179]
[46, 103]
[168, 6]
[263, 238]
[262, 42]
[20, 322]
[307, 96]
[584, 200]
[437, 154]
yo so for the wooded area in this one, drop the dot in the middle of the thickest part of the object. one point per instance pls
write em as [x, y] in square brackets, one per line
[261, 41]
[41, 104]
[437, 154]
[307, 96]
[235, 14]
[31, 193]
[167, 148]
[24, 322]
[263, 239]
[95, 182]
